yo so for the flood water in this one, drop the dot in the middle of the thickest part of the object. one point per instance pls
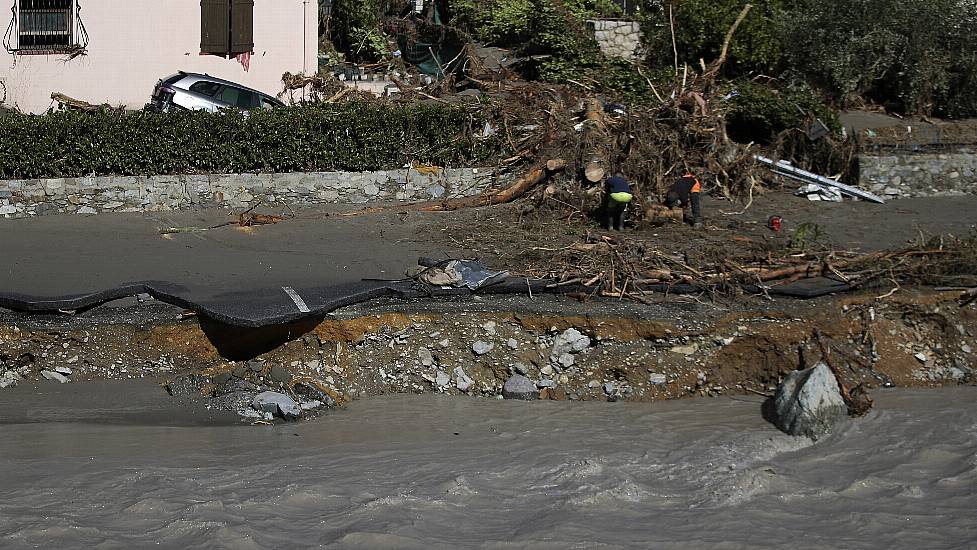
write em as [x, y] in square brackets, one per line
[439, 472]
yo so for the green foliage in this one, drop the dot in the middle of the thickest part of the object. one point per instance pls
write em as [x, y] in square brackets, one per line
[806, 236]
[500, 22]
[917, 56]
[622, 81]
[701, 27]
[511, 23]
[557, 33]
[552, 28]
[759, 113]
[356, 27]
[351, 136]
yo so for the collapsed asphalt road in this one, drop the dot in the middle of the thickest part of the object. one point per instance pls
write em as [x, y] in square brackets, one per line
[247, 276]
[62, 255]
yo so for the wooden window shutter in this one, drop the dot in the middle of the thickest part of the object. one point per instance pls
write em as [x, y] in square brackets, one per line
[215, 27]
[242, 26]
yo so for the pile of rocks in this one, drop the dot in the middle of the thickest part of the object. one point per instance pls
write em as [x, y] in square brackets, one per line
[255, 390]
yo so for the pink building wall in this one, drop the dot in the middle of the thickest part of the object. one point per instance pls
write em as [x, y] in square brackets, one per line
[134, 43]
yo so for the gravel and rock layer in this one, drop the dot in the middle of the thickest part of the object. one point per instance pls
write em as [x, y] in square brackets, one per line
[680, 348]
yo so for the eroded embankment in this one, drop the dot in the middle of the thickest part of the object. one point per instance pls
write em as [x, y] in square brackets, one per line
[918, 339]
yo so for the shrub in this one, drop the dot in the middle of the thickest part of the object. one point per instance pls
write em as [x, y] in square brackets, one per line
[758, 113]
[356, 28]
[915, 56]
[351, 136]
[701, 26]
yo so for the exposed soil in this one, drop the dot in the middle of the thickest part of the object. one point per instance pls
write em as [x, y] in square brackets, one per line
[679, 348]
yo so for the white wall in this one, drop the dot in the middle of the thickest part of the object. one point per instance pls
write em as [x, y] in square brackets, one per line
[134, 43]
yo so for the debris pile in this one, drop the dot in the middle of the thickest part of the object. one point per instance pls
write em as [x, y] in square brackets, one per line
[621, 267]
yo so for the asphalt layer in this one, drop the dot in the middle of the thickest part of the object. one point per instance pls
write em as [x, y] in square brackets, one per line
[318, 260]
[70, 254]
[304, 266]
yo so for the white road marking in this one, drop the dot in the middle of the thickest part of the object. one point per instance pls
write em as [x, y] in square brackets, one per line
[299, 302]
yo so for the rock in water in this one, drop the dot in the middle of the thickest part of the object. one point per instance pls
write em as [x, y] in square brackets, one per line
[54, 376]
[463, 382]
[809, 403]
[278, 404]
[9, 379]
[519, 387]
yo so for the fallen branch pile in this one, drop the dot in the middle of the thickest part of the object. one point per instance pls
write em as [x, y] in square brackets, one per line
[619, 268]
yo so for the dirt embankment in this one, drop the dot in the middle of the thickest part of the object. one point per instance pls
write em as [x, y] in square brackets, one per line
[915, 339]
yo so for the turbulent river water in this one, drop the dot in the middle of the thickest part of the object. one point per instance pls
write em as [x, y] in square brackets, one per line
[439, 472]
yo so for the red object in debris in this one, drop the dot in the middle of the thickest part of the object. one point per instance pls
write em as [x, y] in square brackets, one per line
[774, 222]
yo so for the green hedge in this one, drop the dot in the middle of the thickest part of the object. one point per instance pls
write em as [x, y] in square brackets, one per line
[351, 136]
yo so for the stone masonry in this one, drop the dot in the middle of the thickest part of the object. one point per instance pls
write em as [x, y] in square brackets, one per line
[906, 174]
[617, 38]
[91, 195]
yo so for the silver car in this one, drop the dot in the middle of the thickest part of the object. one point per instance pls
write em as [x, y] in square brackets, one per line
[200, 92]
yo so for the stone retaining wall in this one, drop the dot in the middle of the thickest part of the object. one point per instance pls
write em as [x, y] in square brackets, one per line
[905, 174]
[617, 38]
[26, 198]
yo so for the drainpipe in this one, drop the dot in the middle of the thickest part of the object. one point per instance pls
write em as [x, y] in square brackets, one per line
[305, 37]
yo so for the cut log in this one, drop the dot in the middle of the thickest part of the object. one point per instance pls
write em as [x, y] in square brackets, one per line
[77, 104]
[519, 188]
[596, 135]
[513, 192]
[773, 274]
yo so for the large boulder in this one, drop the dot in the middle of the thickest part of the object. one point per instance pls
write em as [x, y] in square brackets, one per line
[809, 403]
[520, 387]
[277, 404]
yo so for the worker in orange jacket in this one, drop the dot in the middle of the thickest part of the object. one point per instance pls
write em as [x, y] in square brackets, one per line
[685, 193]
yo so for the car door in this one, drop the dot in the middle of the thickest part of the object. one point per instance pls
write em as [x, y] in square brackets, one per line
[201, 96]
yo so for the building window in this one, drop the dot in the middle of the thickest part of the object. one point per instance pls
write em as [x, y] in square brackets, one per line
[226, 27]
[46, 26]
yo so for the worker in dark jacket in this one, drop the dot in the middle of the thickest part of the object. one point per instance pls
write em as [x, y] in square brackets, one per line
[617, 195]
[685, 193]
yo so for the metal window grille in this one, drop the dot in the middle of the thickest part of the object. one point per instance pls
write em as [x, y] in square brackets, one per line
[45, 26]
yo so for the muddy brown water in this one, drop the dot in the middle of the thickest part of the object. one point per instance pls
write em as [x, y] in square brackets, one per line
[448, 472]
